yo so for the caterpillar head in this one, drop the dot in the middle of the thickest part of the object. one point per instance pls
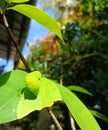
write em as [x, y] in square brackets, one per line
[33, 82]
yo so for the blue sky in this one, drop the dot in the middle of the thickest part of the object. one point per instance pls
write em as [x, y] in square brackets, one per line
[35, 31]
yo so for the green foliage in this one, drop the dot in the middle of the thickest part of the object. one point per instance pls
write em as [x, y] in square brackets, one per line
[79, 89]
[82, 60]
[33, 82]
[17, 101]
[77, 109]
[2, 3]
[10, 84]
[17, 1]
[47, 95]
[85, 40]
[99, 115]
[38, 15]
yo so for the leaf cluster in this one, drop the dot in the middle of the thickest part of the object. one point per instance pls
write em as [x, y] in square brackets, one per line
[69, 62]
[82, 57]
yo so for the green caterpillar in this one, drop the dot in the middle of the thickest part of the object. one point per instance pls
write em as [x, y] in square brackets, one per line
[33, 82]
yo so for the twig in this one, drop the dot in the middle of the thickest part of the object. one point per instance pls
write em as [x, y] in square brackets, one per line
[53, 116]
[82, 58]
[14, 40]
[55, 120]
[72, 122]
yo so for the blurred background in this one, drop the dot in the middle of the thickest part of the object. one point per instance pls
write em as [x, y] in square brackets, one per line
[80, 60]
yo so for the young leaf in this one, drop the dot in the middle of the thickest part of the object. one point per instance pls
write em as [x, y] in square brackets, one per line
[47, 95]
[33, 82]
[99, 115]
[79, 89]
[10, 83]
[38, 15]
[78, 110]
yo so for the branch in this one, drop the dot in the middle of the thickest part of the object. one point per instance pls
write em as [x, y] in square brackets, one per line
[82, 58]
[14, 40]
[55, 120]
[95, 32]
[72, 122]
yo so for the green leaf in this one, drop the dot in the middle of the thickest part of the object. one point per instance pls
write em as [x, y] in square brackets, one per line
[99, 115]
[33, 82]
[2, 3]
[17, 1]
[48, 94]
[16, 101]
[38, 15]
[10, 83]
[79, 89]
[78, 110]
